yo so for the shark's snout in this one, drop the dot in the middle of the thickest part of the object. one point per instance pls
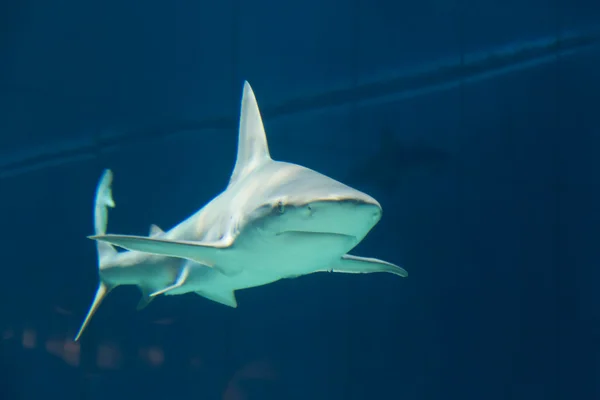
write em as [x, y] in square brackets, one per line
[350, 217]
[372, 213]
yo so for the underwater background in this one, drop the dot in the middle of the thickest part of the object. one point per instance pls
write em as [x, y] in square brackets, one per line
[475, 124]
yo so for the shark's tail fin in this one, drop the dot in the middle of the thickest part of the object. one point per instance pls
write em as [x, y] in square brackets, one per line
[104, 200]
[105, 250]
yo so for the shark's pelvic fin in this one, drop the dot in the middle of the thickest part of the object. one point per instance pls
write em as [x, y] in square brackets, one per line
[205, 253]
[350, 264]
[105, 251]
[253, 149]
[155, 230]
[226, 298]
[183, 275]
[145, 299]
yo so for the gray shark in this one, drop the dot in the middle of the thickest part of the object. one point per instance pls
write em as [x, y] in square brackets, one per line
[274, 220]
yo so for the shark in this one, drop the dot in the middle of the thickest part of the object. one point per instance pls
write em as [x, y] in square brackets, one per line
[395, 160]
[274, 220]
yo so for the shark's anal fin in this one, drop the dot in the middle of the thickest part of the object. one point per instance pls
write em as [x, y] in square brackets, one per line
[101, 292]
[181, 278]
[144, 300]
[350, 264]
[226, 298]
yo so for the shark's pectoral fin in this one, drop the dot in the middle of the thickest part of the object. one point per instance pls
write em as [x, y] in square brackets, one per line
[226, 298]
[180, 281]
[350, 264]
[145, 299]
[206, 253]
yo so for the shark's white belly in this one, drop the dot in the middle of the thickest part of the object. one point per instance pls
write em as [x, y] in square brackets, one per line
[205, 279]
[286, 254]
[259, 260]
[148, 271]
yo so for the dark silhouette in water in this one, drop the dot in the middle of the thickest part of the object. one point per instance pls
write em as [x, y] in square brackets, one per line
[395, 159]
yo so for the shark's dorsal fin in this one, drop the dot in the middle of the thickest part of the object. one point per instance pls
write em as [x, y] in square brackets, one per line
[253, 149]
[155, 230]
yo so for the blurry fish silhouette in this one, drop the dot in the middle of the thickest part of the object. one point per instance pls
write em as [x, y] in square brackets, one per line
[396, 159]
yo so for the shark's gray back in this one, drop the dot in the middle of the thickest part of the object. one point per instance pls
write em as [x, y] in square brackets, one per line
[228, 213]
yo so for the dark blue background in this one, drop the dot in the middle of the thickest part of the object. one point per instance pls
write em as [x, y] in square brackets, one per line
[490, 188]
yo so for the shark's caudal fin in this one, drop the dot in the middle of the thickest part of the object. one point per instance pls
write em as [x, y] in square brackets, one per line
[105, 250]
[253, 149]
[349, 264]
[103, 200]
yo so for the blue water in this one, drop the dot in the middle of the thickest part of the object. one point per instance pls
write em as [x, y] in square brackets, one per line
[476, 125]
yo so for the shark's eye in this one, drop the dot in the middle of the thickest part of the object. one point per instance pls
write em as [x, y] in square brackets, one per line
[280, 207]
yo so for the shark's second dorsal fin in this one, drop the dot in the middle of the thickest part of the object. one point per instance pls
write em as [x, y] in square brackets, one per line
[155, 230]
[253, 149]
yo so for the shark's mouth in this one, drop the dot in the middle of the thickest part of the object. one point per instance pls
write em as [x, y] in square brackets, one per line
[316, 234]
